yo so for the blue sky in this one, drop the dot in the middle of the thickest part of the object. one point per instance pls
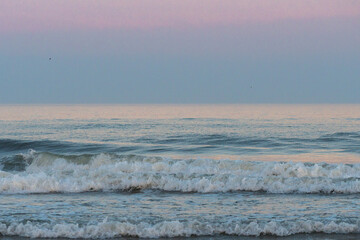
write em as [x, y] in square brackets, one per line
[232, 52]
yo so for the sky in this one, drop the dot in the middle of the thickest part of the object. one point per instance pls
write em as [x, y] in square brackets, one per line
[179, 51]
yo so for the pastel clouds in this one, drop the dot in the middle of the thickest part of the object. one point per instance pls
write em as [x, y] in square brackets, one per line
[45, 15]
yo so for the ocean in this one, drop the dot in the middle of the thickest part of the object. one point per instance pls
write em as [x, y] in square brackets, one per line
[180, 171]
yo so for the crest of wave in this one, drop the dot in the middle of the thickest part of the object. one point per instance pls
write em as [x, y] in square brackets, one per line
[110, 172]
[107, 229]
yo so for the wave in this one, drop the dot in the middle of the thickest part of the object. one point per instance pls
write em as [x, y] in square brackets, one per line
[340, 141]
[107, 229]
[210, 139]
[45, 145]
[235, 139]
[47, 172]
[348, 142]
[14, 145]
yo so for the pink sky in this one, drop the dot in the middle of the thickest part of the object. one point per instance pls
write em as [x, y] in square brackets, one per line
[44, 15]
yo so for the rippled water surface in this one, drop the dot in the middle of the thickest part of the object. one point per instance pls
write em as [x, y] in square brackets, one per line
[169, 171]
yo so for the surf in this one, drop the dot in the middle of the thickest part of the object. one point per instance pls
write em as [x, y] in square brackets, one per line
[45, 172]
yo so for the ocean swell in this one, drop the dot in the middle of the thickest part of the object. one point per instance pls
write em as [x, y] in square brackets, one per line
[46, 172]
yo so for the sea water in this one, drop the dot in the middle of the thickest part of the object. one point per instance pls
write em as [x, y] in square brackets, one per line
[176, 171]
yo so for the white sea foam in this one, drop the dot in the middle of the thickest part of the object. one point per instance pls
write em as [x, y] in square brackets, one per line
[55, 173]
[173, 229]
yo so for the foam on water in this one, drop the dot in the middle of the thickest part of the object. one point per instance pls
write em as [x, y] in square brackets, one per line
[110, 172]
[173, 229]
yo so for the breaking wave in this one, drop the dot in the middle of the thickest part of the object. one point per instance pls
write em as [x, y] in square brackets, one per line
[173, 229]
[46, 173]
